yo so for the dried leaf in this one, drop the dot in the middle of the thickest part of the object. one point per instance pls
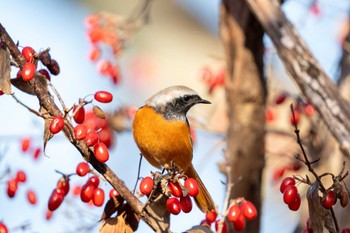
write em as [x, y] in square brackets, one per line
[328, 220]
[99, 112]
[26, 87]
[47, 133]
[115, 225]
[131, 218]
[315, 208]
[5, 69]
[113, 205]
[199, 229]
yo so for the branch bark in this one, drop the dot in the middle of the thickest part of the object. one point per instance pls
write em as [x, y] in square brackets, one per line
[45, 100]
[305, 70]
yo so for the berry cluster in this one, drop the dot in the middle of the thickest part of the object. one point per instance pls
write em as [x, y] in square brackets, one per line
[290, 193]
[178, 191]
[28, 70]
[103, 32]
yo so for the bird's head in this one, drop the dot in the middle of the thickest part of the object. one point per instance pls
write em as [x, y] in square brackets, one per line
[175, 101]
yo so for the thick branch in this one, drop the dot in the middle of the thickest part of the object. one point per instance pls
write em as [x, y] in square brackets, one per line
[47, 102]
[305, 70]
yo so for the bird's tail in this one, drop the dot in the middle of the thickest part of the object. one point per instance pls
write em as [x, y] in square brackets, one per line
[203, 200]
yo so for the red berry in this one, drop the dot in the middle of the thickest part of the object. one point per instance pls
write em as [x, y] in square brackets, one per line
[12, 186]
[94, 181]
[21, 176]
[329, 199]
[295, 204]
[308, 226]
[91, 138]
[101, 152]
[28, 71]
[3, 228]
[95, 53]
[286, 182]
[192, 186]
[37, 152]
[309, 110]
[248, 210]
[289, 194]
[55, 199]
[63, 184]
[146, 185]
[103, 96]
[173, 205]
[175, 189]
[25, 144]
[223, 229]
[80, 132]
[239, 224]
[113, 193]
[56, 124]
[98, 197]
[79, 115]
[186, 204]
[211, 216]
[281, 98]
[233, 213]
[45, 73]
[31, 197]
[278, 173]
[28, 53]
[345, 230]
[82, 169]
[86, 193]
[1, 92]
[270, 114]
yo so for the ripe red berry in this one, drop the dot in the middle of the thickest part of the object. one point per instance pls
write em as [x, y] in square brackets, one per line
[25, 144]
[146, 185]
[82, 169]
[329, 199]
[281, 98]
[28, 71]
[239, 224]
[286, 182]
[295, 204]
[56, 124]
[175, 189]
[28, 53]
[192, 186]
[86, 193]
[12, 186]
[48, 214]
[55, 199]
[80, 132]
[101, 152]
[345, 230]
[248, 210]
[113, 193]
[223, 228]
[211, 216]
[94, 181]
[233, 213]
[3, 228]
[186, 204]
[103, 96]
[31, 197]
[91, 138]
[21, 176]
[37, 152]
[98, 197]
[63, 184]
[1, 92]
[173, 205]
[289, 194]
[79, 115]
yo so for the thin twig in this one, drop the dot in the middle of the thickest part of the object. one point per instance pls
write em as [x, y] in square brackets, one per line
[27, 107]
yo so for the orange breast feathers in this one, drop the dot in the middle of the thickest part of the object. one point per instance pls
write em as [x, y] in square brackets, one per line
[162, 141]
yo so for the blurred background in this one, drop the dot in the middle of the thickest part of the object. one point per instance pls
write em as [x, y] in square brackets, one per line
[179, 43]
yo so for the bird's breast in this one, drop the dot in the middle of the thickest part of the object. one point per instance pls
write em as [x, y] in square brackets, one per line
[162, 141]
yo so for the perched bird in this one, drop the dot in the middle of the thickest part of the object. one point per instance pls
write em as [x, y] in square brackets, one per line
[161, 132]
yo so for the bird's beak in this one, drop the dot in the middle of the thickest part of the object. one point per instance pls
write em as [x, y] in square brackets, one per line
[203, 101]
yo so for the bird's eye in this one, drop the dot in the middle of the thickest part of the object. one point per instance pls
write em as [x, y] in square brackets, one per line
[187, 98]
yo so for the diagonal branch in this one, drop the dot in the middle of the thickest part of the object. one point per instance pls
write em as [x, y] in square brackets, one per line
[313, 82]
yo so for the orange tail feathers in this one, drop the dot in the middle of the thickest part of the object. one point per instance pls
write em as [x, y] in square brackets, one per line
[203, 200]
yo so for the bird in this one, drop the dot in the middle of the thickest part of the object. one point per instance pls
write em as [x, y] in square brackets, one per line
[162, 133]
